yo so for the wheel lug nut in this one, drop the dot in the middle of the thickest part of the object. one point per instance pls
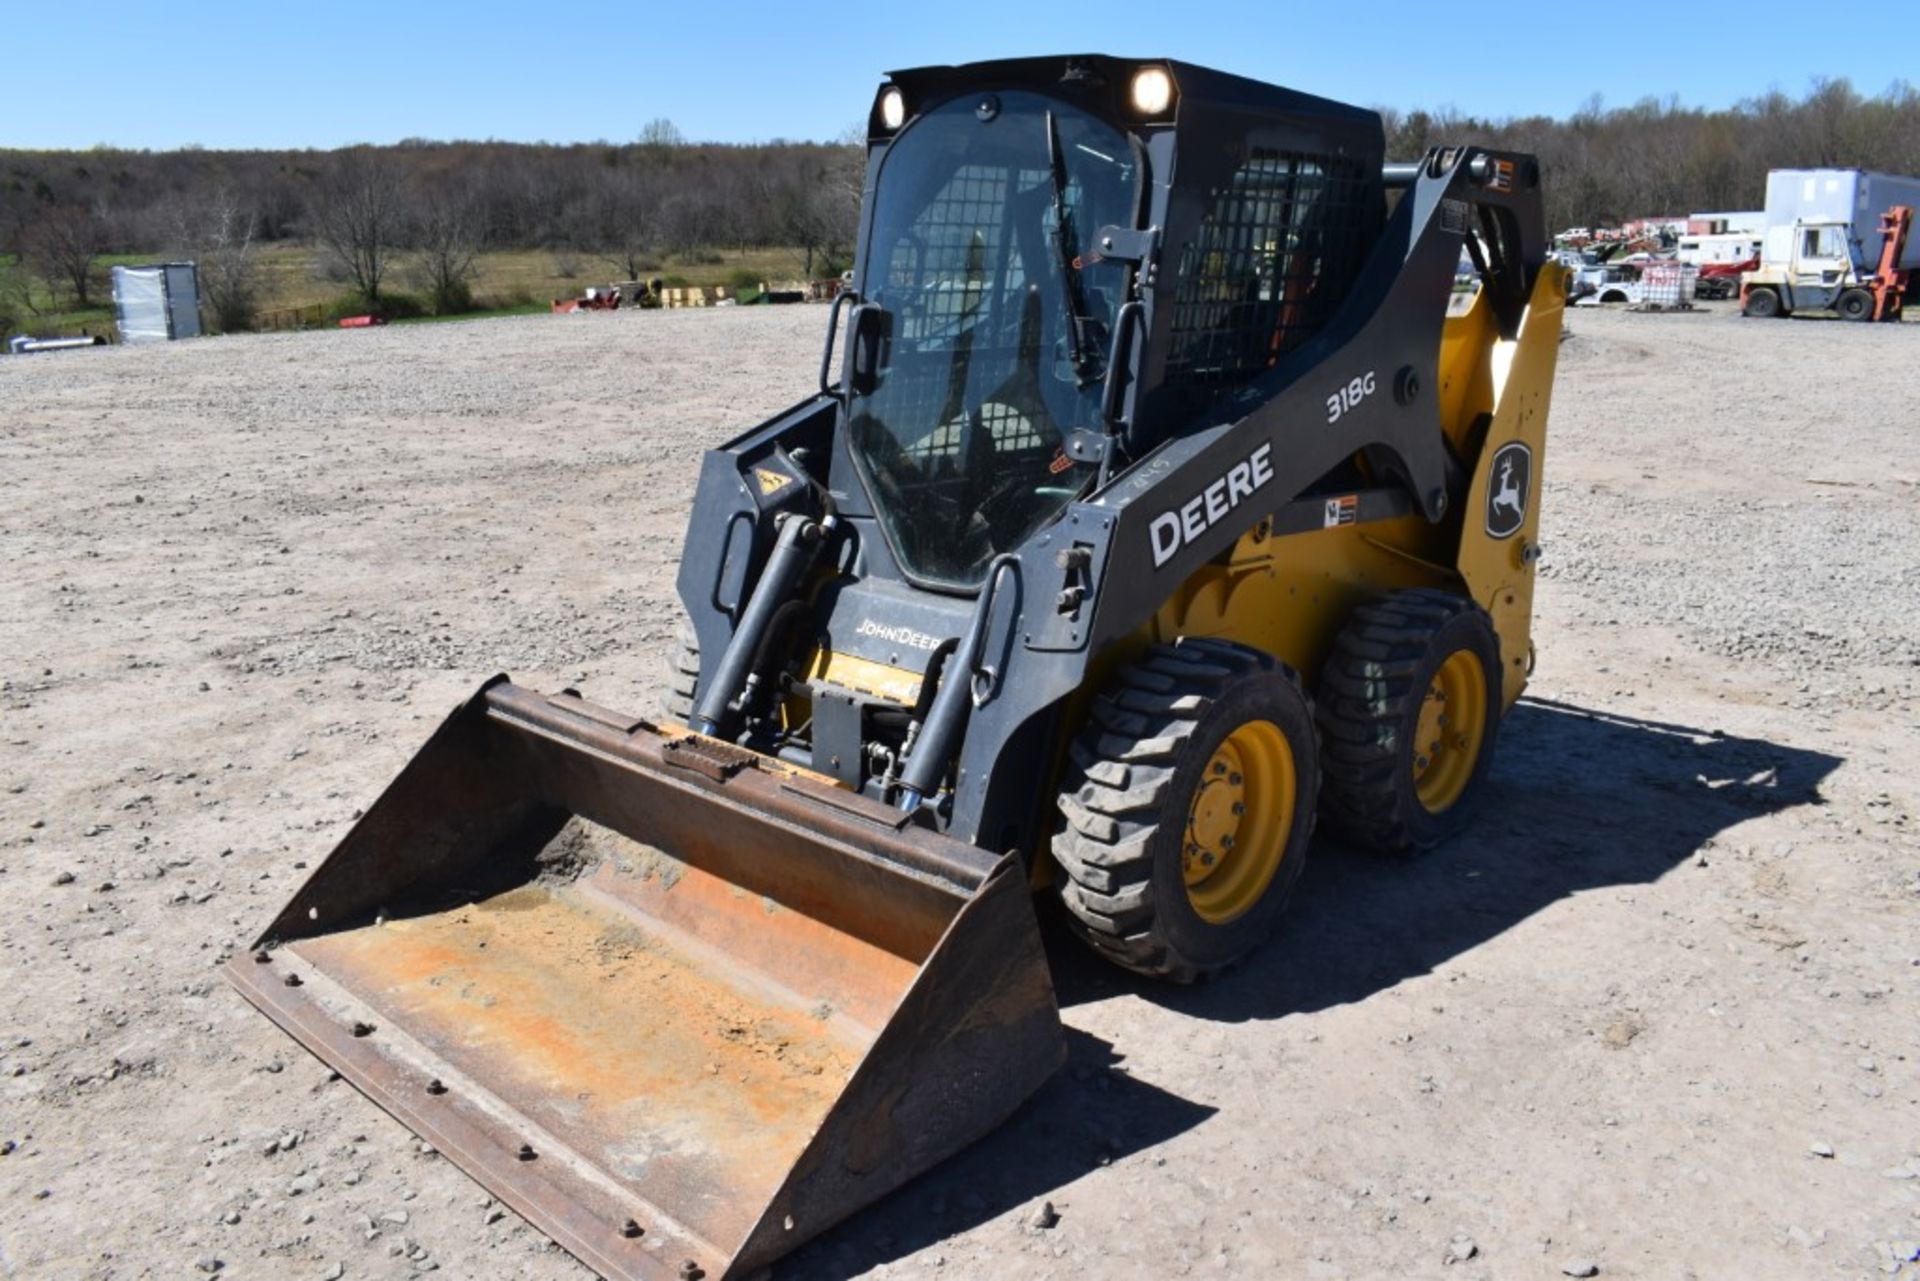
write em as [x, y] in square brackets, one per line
[1239, 808]
[1226, 842]
[1234, 779]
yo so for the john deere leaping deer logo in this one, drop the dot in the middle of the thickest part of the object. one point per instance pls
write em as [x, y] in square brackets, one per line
[1507, 493]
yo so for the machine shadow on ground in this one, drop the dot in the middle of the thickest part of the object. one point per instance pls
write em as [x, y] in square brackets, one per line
[1084, 1117]
[1578, 799]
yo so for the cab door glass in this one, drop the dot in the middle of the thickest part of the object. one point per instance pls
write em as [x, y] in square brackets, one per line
[1821, 244]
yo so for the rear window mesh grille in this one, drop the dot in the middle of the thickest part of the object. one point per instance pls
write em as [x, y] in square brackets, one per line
[1272, 258]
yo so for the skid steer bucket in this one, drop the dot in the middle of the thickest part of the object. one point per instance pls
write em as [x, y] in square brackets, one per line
[680, 1008]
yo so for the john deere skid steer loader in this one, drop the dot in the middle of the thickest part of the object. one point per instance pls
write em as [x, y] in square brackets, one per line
[1163, 491]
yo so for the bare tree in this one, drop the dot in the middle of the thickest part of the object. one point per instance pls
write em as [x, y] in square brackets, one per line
[356, 215]
[661, 134]
[446, 239]
[685, 223]
[16, 299]
[624, 219]
[59, 247]
[220, 233]
[819, 208]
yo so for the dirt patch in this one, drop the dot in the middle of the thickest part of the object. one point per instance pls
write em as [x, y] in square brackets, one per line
[614, 966]
[248, 577]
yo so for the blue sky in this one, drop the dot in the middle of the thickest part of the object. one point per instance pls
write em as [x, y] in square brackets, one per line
[274, 73]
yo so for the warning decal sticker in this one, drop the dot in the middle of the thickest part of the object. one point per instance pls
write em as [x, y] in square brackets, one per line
[771, 481]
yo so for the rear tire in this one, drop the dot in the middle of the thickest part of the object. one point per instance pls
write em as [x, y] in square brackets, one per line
[1409, 703]
[683, 676]
[1188, 808]
[1855, 304]
[1762, 304]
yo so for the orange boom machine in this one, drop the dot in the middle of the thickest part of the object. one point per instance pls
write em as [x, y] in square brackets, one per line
[1159, 495]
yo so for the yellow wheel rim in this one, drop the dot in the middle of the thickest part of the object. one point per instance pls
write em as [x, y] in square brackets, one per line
[1238, 822]
[1453, 724]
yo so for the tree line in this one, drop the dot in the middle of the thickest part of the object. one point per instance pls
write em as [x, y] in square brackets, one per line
[425, 209]
[1604, 166]
[429, 208]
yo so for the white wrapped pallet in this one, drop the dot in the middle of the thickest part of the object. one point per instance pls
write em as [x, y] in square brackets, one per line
[157, 303]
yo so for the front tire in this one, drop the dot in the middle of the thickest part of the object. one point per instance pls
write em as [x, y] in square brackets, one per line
[1409, 705]
[1855, 304]
[1188, 808]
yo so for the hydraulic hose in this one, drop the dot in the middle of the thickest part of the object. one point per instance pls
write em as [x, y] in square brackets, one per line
[947, 715]
[793, 551]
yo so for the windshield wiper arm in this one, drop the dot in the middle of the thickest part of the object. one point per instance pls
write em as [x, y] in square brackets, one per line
[1080, 325]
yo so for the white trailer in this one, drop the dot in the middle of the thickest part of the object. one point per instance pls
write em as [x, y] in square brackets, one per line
[1719, 259]
[1853, 198]
[1714, 251]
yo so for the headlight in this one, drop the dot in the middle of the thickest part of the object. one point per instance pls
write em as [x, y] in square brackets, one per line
[1152, 91]
[893, 108]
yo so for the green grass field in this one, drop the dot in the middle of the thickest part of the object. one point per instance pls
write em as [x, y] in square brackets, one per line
[295, 292]
[33, 310]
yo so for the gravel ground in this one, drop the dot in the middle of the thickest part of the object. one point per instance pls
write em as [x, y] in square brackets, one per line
[1656, 1016]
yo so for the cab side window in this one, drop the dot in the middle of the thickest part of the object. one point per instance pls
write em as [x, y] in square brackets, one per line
[1278, 248]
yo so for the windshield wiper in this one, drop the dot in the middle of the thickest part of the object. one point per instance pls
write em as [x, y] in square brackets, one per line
[1082, 328]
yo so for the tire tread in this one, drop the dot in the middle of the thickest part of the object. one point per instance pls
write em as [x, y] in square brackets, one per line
[1115, 792]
